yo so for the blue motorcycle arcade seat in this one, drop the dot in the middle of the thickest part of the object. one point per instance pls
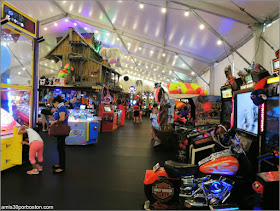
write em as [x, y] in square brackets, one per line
[176, 170]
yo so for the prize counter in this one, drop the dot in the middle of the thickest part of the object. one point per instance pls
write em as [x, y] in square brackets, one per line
[84, 127]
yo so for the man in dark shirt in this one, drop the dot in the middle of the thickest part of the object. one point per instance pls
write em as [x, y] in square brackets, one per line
[184, 112]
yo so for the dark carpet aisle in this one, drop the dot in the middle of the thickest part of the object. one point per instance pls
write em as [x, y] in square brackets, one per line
[105, 176]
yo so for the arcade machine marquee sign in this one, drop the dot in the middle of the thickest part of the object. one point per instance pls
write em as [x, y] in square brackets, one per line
[19, 20]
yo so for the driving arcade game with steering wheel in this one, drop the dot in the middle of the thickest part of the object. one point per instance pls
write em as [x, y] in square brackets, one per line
[226, 108]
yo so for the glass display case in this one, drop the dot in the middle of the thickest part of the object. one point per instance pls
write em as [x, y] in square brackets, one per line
[78, 115]
[16, 58]
[15, 109]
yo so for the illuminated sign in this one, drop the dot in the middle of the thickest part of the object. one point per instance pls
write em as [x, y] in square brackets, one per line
[262, 117]
[275, 63]
[76, 133]
[272, 80]
[227, 93]
[18, 19]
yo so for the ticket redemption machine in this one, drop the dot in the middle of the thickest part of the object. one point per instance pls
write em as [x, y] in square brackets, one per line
[109, 118]
[19, 39]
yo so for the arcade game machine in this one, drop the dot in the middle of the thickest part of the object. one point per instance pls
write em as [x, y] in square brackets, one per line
[267, 181]
[19, 56]
[226, 107]
[207, 109]
[106, 112]
[84, 127]
[246, 122]
[109, 118]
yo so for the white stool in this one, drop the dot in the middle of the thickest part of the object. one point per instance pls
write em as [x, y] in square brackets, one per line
[193, 150]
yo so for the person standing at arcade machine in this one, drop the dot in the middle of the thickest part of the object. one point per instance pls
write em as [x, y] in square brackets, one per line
[149, 110]
[140, 111]
[121, 107]
[136, 113]
[60, 116]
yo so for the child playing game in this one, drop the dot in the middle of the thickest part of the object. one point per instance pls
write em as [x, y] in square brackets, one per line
[36, 146]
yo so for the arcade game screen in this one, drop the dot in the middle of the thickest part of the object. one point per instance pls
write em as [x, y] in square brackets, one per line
[226, 111]
[107, 109]
[247, 114]
[272, 121]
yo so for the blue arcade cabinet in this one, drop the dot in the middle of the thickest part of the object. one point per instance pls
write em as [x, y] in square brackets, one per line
[84, 128]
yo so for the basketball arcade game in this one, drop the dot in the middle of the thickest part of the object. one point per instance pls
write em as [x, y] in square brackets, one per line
[19, 71]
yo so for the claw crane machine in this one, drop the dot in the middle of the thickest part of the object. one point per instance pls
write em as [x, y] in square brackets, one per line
[19, 80]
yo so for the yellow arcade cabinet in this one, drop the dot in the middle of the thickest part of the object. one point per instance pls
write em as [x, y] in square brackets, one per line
[19, 71]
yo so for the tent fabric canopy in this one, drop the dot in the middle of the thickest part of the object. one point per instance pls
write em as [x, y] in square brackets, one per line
[154, 43]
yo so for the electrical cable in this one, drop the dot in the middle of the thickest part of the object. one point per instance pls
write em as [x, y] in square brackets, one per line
[228, 58]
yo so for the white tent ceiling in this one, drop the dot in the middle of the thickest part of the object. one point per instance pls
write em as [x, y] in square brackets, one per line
[171, 44]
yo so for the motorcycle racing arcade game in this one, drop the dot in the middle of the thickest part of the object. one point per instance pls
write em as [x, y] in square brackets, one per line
[267, 181]
[209, 184]
[226, 110]
[246, 122]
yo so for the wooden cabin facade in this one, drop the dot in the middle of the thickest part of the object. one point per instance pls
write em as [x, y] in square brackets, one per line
[89, 67]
